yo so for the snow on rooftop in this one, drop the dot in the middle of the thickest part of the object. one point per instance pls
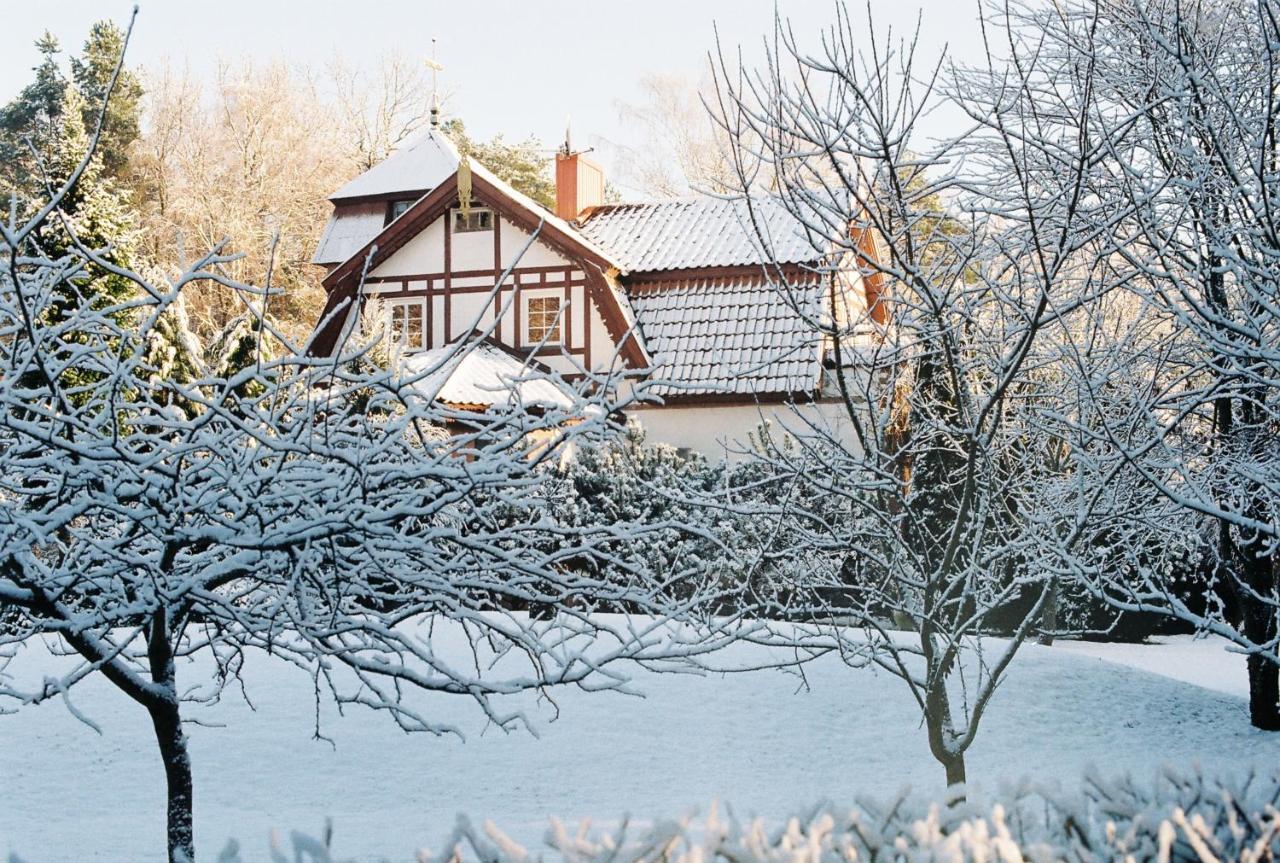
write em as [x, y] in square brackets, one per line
[482, 374]
[698, 232]
[419, 166]
[730, 335]
[349, 229]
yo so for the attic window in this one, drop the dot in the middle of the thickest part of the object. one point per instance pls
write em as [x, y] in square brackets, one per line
[396, 209]
[477, 219]
[542, 321]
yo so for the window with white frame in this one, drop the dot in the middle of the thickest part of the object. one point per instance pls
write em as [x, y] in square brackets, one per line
[475, 219]
[407, 330]
[542, 320]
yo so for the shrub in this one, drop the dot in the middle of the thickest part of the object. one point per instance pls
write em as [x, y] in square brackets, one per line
[1177, 818]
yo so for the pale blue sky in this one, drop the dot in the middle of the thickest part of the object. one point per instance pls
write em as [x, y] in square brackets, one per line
[514, 67]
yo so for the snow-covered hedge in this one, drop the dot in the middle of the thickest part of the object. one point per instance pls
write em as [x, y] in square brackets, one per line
[1178, 818]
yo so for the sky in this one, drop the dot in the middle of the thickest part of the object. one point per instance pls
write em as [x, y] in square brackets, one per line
[519, 68]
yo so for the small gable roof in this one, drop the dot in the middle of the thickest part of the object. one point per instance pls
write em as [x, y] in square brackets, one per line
[692, 233]
[412, 170]
[349, 228]
[477, 375]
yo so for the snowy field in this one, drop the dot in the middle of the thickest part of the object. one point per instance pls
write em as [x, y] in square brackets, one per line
[753, 741]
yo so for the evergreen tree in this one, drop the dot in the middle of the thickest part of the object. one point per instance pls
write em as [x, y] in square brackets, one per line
[34, 121]
[94, 213]
[30, 122]
[91, 72]
[243, 344]
[93, 216]
[526, 165]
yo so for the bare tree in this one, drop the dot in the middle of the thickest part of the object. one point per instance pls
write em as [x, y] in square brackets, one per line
[1186, 101]
[678, 148]
[251, 158]
[304, 510]
[379, 114]
[953, 273]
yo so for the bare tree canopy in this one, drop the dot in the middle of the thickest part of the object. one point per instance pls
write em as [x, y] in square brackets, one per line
[317, 512]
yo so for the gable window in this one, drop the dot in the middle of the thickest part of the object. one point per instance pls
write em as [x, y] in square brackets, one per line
[396, 209]
[542, 321]
[407, 331]
[476, 219]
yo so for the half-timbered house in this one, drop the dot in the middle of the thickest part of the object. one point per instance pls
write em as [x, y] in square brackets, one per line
[679, 293]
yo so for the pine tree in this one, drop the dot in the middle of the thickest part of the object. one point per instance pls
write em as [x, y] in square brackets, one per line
[93, 230]
[32, 122]
[526, 165]
[91, 72]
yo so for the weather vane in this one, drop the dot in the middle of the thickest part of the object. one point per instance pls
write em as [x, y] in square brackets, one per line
[435, 66]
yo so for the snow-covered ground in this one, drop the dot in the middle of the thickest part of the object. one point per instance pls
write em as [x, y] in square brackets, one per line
[753, 741]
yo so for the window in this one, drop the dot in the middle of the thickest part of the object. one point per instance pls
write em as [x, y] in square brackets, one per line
[396, 209]
[477, 219]
[542, 320]
[407, 331]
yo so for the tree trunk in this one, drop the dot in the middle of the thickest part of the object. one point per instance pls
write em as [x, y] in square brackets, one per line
[937, 720]
[955, 779]
[1049, 615]
[1264, 693]
[177, 773]
[1257, 578]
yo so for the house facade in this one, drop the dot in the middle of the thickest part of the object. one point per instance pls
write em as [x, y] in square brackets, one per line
[677, 297]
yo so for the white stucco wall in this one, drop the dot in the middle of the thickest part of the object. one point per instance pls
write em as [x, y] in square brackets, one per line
[714, 429]
[538, 255]
[423, 254]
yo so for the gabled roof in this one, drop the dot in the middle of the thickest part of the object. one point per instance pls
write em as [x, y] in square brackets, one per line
[682, 285]
[732, 335]
[411, 171]
[480, 375]
[703, 232]
[516, 208]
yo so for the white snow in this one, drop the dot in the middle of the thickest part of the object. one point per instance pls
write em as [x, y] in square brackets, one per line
[420, 165]
[482, 374]
[1208, 662]
[753, 741]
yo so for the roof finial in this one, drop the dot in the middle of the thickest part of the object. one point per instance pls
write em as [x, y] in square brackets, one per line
[436, 67]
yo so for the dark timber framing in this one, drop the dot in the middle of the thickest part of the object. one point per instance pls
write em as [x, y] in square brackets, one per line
[343, 282]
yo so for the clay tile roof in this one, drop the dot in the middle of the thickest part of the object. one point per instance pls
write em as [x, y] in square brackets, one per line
[697, 232]
[730, 335]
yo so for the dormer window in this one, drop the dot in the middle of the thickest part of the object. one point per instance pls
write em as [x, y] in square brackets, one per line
[396, 209]
[476, 219]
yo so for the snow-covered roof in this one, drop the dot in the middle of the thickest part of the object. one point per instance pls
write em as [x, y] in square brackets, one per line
[350, 227]
[730, 335]
[697, 232]
[419, 166]
[536, 209]
[480, 374]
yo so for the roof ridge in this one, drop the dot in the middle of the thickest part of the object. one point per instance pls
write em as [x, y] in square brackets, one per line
[678, 199]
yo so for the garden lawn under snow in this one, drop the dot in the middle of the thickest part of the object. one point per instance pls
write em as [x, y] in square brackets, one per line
[756, 742]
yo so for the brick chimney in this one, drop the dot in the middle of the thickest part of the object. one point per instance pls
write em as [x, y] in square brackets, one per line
[579, 184]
